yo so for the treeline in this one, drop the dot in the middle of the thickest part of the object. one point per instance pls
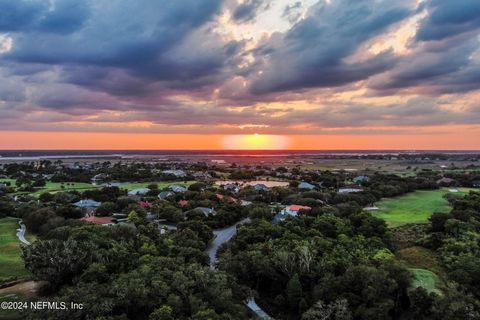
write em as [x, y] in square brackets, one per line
[125, 272]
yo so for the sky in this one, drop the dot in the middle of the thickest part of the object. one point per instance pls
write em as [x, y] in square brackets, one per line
[240, 74]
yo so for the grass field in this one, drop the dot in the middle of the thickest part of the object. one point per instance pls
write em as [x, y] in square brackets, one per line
[423, 263]
[161, 185]
[11, 181]
[11, 263]
[425, 279]
[414, 207]
[67, 186]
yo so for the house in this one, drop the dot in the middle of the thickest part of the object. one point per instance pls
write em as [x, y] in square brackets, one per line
[99, 178]
[233, 187]
[228, 199]
[3, 186]
[150, 217]
[202, 176]
[245, 203]
[144, 204]
[260, 187]
[291, 210]
[361, 179]
[445, 181]
[87, 203]
[176, 173]
[177, 189]
[138, 192]
[104, 221]
[350, 189]
[306, 186]
[183, 203]
[165, 194]
[206, 211]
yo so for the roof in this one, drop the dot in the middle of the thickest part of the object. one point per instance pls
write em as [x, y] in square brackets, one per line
[144, 204]
[306, 185]
[229, 199]
[297, 207]
[177, 173]
[138, 191]
[183, 203]
[87, 203]
[177, 188]
[260, 186]
[165, 194]
[97, 220]
[206, 211]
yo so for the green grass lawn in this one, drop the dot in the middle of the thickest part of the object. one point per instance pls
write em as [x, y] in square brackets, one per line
[423, 263]
[54, 187]
[161, 185]
[414, 207]
[11, 263]
[425, 279]
[12, 181]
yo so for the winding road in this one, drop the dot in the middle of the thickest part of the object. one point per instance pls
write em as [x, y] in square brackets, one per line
[222, 236]
[21, 233]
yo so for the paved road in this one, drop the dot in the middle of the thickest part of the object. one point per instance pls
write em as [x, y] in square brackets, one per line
[21, 233]
[222, 236]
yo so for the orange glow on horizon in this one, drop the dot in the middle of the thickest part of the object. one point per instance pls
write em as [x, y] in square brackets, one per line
[255, 142]
[454, 139]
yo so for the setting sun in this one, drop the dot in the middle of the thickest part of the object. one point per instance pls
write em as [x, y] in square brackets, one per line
[255, 142]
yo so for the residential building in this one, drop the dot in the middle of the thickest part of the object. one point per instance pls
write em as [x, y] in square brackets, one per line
[176, 173]
[291, 210]
[165, 194]
[177, 189]
[306, 186]
[138, 192]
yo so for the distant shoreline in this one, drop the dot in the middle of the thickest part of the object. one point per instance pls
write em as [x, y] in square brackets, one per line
[11, 155]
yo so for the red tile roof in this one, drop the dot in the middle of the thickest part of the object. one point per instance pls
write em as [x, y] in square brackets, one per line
[144, 204]
[229, 199]
[297, 207]
[182, 203]
[97, 220]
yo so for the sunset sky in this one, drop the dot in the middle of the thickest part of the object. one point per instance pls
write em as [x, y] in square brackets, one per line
[252, 74]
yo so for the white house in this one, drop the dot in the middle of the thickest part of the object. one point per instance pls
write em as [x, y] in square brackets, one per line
[350, 189]
[291, 210]
[176, 173]
[177, 188]
[138, 192]
[306, 186]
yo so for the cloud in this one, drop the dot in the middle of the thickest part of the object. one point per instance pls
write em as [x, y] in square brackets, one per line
[313, 52]
[63, 17]
[247, 10]
[186, 66]
[448, 18]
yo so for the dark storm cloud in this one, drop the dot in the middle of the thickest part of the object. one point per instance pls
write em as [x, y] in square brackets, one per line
[144, 37]
[61, 17]
[247, 10]
[312, 53]
[448, 18]
[435, 68]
